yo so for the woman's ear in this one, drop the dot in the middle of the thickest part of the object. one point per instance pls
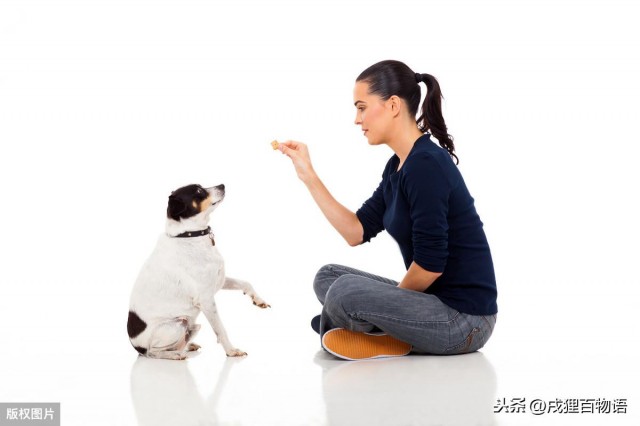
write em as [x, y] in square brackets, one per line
[394, 103]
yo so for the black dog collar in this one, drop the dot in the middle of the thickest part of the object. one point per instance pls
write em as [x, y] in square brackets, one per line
[201, 233]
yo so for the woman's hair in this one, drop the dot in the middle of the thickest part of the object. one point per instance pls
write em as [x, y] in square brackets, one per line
[388, 78]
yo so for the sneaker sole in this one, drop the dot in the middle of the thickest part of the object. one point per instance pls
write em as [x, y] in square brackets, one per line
[352, 346]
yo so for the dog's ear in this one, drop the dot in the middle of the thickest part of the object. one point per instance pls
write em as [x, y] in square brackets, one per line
[175, 208]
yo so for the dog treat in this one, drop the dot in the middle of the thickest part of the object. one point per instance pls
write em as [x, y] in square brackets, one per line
[275, 144]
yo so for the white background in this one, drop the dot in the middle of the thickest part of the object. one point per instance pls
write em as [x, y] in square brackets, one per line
[107, 106]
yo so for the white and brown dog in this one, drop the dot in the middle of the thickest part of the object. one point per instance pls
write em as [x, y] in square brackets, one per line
[180, 279]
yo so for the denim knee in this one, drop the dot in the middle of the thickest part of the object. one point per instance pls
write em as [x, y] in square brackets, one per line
[322, 281]
[343, 291]
[340, 304]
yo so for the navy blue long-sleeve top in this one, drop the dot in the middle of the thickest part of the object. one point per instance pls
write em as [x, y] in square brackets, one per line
[426, 207]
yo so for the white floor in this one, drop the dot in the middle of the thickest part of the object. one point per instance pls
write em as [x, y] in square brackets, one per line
[82, 359]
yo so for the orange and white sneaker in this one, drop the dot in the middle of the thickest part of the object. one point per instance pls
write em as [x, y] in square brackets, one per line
[353, 345]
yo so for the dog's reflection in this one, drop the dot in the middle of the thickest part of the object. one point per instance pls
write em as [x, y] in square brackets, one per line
[420, 390]
[164, 392]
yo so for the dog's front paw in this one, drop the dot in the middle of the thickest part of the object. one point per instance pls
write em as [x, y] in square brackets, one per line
[259, 302]
[194, 347]
[236, 352]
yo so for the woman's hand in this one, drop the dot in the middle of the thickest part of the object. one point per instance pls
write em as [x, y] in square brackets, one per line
[418, 278]
[299, 154]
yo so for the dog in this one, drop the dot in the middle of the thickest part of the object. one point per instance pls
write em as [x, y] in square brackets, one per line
[180, 280]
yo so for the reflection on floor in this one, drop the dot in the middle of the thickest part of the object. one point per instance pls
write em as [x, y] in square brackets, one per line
[164, 392]
[420, 390]
[413, 390]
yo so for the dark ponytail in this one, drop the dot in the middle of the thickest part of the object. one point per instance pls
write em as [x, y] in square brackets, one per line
[389, 78]
[431, 115]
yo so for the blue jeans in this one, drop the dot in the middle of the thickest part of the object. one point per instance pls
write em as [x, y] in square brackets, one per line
[364, 302]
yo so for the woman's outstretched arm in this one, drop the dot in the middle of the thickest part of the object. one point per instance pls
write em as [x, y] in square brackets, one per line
[341, 218]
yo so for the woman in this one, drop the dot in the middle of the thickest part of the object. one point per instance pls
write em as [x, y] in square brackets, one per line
[446, 302]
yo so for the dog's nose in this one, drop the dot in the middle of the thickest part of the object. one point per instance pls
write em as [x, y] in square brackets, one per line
[220, 187]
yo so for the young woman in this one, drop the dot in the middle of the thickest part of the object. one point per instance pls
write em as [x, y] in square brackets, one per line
[446, 302]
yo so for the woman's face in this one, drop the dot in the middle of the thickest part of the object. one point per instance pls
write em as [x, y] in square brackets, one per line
[372, 114]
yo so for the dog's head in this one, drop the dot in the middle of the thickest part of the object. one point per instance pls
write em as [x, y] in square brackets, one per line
[193, 200]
